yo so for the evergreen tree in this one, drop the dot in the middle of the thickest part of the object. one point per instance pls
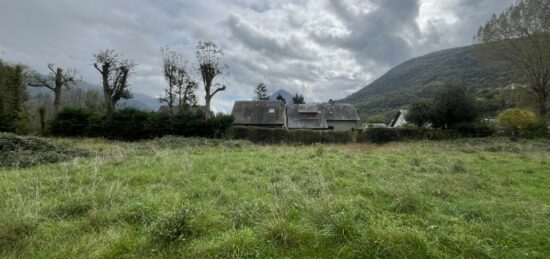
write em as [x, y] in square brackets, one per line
[298, 99]
[261, 93]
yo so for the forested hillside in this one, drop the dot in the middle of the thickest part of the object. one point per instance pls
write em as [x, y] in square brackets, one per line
[420, 77]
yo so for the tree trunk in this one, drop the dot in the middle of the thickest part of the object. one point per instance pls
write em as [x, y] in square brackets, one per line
[107, 93]
[57, 99]
[57, 90]
[207, 106]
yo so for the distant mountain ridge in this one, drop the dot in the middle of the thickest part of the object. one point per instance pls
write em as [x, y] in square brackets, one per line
[420, 77]
[139, 100]
[285, 94]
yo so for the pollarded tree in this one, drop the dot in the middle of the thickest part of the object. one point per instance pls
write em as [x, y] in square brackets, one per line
[210, 67]
[57, 80]
[115, 72]
[520, 36]
[261, 93]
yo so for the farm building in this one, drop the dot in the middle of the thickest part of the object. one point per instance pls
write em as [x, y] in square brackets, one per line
[269, 114]
[318, 116]
[399, 119]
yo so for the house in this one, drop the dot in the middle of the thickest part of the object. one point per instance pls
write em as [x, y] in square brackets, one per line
[399, 119]
[317, 116]
[270, 114]
[322, 116]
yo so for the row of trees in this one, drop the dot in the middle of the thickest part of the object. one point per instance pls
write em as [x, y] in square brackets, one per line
[116, 72]
[261, 93]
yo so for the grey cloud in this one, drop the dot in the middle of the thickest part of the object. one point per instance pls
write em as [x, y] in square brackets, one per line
[321, 48]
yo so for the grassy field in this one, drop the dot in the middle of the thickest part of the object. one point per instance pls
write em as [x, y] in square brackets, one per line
[200, 199]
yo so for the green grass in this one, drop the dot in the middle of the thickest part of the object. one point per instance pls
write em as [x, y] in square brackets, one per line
[202, 199]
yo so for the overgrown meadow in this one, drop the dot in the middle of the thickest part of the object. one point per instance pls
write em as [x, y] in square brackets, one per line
[195, 198]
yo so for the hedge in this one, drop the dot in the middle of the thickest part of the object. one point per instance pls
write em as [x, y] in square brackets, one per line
[131, 124]
[275, 136]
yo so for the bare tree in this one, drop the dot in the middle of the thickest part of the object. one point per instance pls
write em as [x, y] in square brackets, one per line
[115, 72]
[56, 81]
[209, 58]
[520, 36]
[181, 87]
[171, 64]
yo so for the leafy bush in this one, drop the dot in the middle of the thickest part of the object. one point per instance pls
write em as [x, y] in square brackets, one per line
[382, 135]
[131, 124]
[539, 129]
[274, 136]
[475, 130]
[73, 122]
[516, 120]
[125, 124]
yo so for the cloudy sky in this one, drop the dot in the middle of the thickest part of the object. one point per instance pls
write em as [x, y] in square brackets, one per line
[321, 48]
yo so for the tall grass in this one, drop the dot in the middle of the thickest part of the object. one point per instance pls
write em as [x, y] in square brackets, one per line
[198, 198]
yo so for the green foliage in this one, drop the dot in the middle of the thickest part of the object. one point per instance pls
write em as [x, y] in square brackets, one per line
[419, 114]
[13, 115]
[382, 135]
[307, 137]
[132, 124]
[452, 106]
[475, 130]
[516, 119]
[73, 122]
[538, 129]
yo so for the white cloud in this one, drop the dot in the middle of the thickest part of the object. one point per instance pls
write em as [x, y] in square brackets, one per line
[321, 48]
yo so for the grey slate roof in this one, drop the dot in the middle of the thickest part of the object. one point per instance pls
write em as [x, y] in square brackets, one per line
[316, 115]
[259, 113]
[305, 116]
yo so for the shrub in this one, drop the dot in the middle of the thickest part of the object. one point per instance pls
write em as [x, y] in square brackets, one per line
[73, 122]
[125, 124]
[539, 129]
[132, 124]
[382, 135]
[475, 130]
[516, 120]
[274, 136]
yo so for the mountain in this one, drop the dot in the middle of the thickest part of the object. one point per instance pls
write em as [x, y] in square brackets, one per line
[286, 95]
[420, 77]
[139, 100]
